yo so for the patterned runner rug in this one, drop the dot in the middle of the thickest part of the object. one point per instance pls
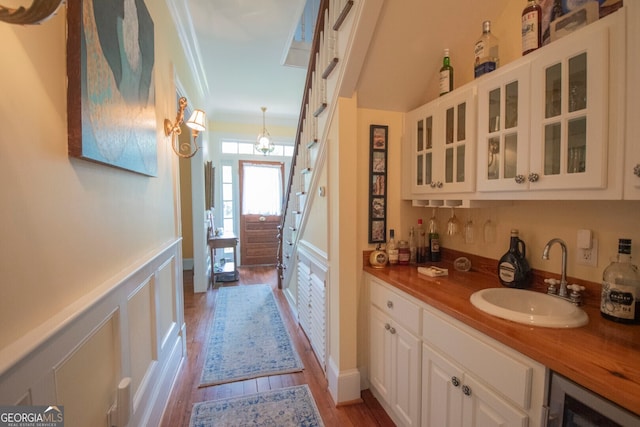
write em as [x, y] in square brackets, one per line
[247, 338]
[287, 407]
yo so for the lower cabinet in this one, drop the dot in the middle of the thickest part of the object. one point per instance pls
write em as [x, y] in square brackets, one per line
[453, 397]
[394, 368]
[395, 361]
[427, 368]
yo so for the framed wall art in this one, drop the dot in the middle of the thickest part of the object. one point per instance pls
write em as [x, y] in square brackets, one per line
[111, 96]
[378, 136]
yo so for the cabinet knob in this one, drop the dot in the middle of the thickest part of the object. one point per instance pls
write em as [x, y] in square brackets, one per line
[519, 179]
[636, 170]
[392, 330]
[533, 177]
[466, 390]
[455, 381]
[387, 326]
[389, 304]
[436, 184]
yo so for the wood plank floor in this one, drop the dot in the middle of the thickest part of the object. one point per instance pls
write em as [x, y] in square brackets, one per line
[198, 315]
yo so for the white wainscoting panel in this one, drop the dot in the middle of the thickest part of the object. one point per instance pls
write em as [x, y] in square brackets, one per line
[131, 326]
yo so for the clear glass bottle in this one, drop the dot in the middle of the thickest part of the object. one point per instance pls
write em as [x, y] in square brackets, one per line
[513, 268]
[531, 27]
[486, 51]
[392, 248]
[421, 243]
[621, 287]
[446, 74]
[413, 247]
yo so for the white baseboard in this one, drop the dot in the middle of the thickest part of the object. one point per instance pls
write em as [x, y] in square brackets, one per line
[344, 386]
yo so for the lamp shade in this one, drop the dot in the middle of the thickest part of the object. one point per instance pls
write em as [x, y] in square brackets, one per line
[197, 121]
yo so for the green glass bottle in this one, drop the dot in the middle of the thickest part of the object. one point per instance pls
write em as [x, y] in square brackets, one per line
[446, 74]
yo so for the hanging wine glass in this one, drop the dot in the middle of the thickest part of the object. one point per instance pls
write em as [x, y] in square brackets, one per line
[468, 231]
[433, 222]
[489, 231]
[452, 224]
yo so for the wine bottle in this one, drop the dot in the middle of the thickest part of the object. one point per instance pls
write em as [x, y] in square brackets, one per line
[531, 27]
[392, 248]
[486, 51]
[621, 287]
[434, 245]
[446, 74]
[513, 268]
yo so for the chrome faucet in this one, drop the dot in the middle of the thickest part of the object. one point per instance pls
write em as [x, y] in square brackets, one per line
[562, 292]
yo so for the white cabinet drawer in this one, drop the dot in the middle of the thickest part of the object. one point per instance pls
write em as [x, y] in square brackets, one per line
[495, 364]
[397, 307]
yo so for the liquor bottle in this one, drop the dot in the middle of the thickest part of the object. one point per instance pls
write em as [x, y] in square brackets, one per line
[621, 287]
[434, 245]
[421, 238]
[413, 247]
[486, 51]
[392, 248]
[446, 74]
[531, 27]
[378, 258]
[513, 268]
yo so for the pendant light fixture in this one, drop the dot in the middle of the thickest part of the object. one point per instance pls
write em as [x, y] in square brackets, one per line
[264, 143]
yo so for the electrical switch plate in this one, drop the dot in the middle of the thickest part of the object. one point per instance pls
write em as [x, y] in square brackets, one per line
[588, 256]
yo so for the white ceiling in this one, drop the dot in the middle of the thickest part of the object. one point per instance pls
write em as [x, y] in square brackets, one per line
[238, 47]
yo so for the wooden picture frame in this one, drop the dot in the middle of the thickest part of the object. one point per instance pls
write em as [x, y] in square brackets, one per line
[111, 93]
[378, 140]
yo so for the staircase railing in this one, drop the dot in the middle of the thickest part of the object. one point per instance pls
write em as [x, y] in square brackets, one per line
[322, 61]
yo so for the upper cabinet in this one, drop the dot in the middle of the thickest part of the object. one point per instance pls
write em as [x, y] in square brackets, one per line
[549, 125]
[632, 153]
[440, 145]
[503, 129]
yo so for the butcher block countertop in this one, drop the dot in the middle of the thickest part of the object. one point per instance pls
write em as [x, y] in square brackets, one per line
[603, 356]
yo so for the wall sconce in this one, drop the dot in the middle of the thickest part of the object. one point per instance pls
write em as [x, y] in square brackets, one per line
[197, 123]
[38, 12]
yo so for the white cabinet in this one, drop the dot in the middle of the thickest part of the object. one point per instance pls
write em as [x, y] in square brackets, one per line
[440, 145]
[550, 121]
[632, 154]
[503, 129]
[394, 363]
[454, 398]
[469, 379]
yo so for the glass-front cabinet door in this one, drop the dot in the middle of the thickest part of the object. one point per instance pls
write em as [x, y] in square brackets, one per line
[441, 145]
[457, 142]
[503, 130]
[569, 114]
[420, 147]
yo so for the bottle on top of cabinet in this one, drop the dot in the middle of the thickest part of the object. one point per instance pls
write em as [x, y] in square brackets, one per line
[621, 287]
[421, 243]
[446, 74]
[513, 268]
[434, 246]
[531, 27]
[413, 247]
[486, 51]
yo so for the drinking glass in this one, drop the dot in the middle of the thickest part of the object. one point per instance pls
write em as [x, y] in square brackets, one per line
[452, 225]
[433, 222]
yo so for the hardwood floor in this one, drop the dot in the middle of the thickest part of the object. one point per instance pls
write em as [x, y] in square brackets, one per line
[198, 314]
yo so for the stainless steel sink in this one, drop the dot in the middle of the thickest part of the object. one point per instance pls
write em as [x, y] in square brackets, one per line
[530, 308]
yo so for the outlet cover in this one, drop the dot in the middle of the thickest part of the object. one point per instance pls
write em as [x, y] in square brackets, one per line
[588, 256]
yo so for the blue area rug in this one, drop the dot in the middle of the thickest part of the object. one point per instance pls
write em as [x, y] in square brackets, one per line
[291, 406]
[247, 338]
